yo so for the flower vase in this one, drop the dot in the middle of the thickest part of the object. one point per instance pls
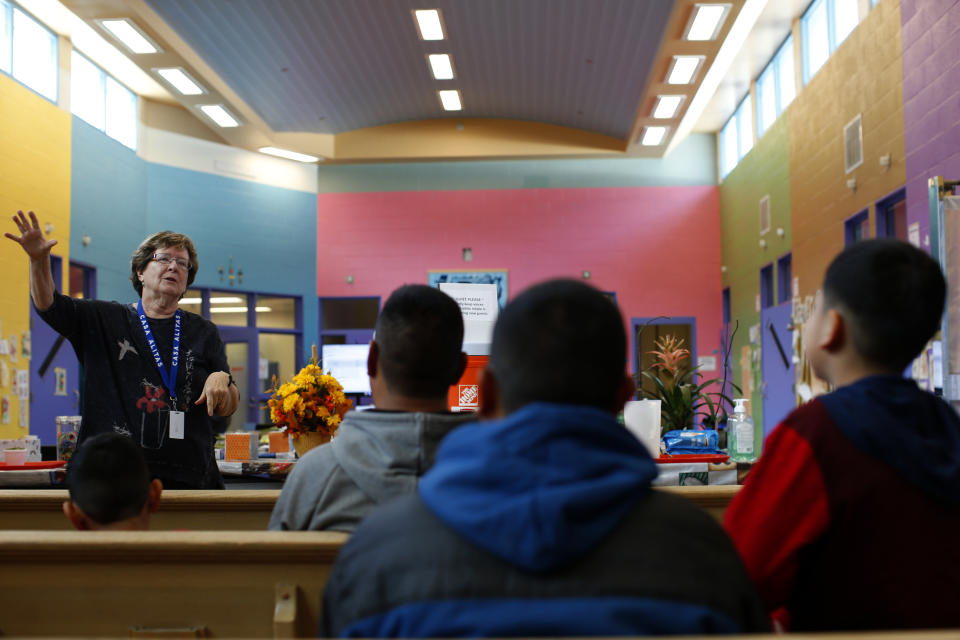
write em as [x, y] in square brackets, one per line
[306, 441]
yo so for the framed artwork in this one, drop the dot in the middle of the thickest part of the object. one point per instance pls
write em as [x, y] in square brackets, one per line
[497, 277]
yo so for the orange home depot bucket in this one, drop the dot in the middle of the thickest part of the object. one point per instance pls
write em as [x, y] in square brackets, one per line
[465, 395]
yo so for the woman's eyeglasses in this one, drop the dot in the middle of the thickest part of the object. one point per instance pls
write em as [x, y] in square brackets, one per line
[165, 259]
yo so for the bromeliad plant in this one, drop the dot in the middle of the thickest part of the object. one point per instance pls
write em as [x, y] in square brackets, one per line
[684, 394]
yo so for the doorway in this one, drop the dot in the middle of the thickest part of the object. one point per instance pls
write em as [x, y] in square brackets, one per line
[648, 331]
[776, 347]
[55, 373]
[241, 348]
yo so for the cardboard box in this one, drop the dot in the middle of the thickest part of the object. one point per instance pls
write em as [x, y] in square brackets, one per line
[241, 446]
[279, 441]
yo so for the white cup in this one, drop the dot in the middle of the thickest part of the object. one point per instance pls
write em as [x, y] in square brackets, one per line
[642, 418]
[15, 457]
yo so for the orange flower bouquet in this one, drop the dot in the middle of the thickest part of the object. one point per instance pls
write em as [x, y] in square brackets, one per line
[312, 403]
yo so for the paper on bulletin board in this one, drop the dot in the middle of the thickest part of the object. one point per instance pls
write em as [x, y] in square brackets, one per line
[5, 410]
[4, 374]
[12, 341]
[478, 304]
[24, 420]
[4, 348]
[23, 384]
[60, 381]
[913, 234]
[951, 230]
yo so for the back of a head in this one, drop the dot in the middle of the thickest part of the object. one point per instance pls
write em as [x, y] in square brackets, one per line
[892, 294]
[419, 334]
[561, 341]
[108, 478]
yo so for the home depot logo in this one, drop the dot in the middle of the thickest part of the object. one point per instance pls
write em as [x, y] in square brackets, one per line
[469, 395]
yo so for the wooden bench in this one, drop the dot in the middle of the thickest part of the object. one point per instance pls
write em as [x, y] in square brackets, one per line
[247, 510]
[233, 510]
[713, 499]
[184, 583]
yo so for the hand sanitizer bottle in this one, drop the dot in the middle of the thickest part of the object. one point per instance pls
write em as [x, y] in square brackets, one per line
[740, 433]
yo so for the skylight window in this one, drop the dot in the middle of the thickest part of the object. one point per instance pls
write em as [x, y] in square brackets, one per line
[667, 107]
[450, 99]
[130, 35]
[220, 116]
[429, 24]
[441, 65]
[683, 69]
[181, 81]
[706, 21]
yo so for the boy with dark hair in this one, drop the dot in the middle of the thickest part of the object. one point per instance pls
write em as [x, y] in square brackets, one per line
[110, 485]
[542, 521]
[849, 519]
[415, 356]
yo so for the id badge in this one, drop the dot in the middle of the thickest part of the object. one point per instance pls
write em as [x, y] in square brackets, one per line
[176, 425]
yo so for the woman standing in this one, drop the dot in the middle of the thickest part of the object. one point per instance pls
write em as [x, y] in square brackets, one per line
[151, 371]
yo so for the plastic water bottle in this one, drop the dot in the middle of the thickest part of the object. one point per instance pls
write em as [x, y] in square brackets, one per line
[740, 433]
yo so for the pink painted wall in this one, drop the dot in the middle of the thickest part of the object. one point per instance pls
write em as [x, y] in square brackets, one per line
[658, 248]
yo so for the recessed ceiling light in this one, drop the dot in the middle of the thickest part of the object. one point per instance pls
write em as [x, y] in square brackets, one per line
[429, 24]
[239, 309]
[289, 155]
[128, 33]
[683, 69]
[181, 81]
[705, 21]
[219, 115]
[667, 106]
[450, 99]
[653, 136]
[213, 300]
[441, 65]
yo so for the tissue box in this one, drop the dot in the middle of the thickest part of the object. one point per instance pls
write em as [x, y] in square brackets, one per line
[32, 446]
[279, 441]
[240, 446]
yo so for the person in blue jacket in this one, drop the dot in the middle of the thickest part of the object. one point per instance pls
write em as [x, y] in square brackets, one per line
[541, 520]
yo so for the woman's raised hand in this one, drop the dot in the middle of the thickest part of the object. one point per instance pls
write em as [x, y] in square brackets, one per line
[31, 237]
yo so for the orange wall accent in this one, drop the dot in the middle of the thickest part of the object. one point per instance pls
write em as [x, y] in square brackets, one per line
[487, 137]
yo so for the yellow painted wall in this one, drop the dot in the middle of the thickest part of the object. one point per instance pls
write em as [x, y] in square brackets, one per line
[864, 76]
[34, 174]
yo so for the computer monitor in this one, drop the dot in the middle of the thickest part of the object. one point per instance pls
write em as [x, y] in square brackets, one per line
[348, 364]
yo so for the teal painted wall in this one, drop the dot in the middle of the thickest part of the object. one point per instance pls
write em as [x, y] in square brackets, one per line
[692, 163]
[108, 194]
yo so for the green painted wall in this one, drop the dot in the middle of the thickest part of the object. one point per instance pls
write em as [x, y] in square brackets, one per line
[763, 171]
[693, 162]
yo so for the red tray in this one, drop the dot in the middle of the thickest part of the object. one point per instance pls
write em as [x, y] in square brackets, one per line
[693, 457]
[33, 466]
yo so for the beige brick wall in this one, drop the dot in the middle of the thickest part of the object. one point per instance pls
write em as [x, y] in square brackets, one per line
[863, 76]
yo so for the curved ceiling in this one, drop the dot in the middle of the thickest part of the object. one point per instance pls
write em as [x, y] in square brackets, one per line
[348, 80]
[341, 65]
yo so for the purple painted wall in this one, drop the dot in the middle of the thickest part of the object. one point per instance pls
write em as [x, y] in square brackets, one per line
[931, 99]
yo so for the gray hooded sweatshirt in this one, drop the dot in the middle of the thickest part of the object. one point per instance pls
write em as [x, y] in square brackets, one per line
[376, 456]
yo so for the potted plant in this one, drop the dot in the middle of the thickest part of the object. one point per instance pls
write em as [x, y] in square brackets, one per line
[684, 394]
[309, 407]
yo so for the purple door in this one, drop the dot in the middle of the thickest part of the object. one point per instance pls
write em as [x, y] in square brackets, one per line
[54, 373]
[777, 365]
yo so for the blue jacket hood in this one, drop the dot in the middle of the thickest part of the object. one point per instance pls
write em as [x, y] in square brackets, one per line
[540, 487]
[915, 432]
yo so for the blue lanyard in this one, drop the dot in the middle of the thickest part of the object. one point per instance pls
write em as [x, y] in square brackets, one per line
[169, 378]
